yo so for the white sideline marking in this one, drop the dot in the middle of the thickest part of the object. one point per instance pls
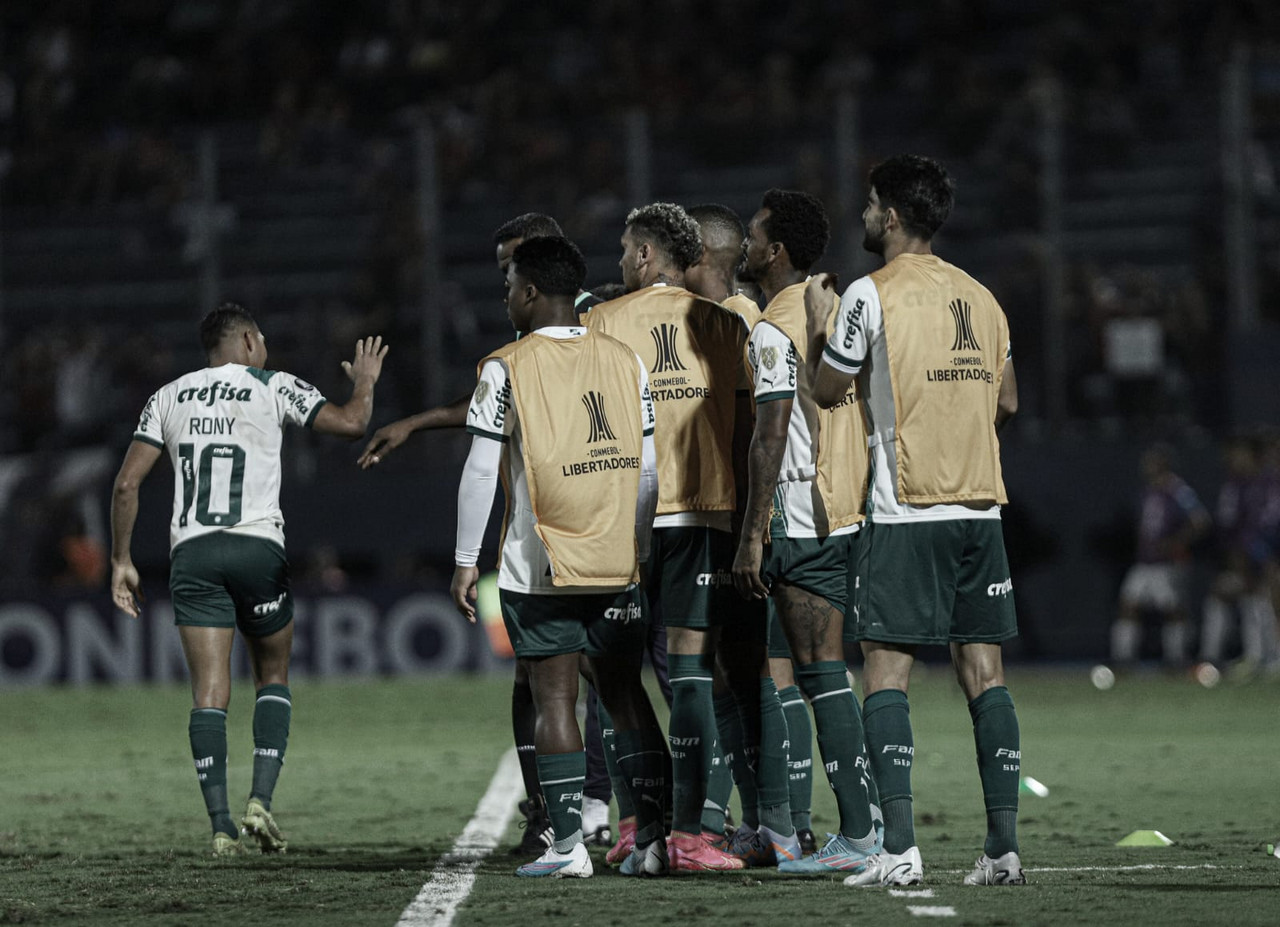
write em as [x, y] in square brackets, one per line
[1143, 867]
[920, 910]
[911, 893]
[455, 873]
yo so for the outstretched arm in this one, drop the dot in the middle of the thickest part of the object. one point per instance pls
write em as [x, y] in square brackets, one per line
[351, 420]
[389, 437]
[126, 588]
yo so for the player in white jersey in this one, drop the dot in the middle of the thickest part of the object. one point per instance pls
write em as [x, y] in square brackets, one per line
[929, 346]
[807, 519]
[222, 428]
[553, 615]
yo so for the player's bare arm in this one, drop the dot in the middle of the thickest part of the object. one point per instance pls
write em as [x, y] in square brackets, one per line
[126, 588]
[828, 384]
[768, 445]
[389, 437]
[1007, 400]
[350, 420]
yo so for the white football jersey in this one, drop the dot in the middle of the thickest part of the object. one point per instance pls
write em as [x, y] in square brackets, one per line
[525, 566]
[773, 364]
[222, 427]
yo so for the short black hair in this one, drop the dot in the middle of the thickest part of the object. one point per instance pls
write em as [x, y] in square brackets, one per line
[552, 263]
[669, 229]
[716, 220]
[798, 222]
[918, 188]
[220, 322]
[530, 225]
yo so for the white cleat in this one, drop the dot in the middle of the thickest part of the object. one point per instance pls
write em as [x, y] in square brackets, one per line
[575, 864]
[903, 868]
[595, 822]
[1007, 870]
[650, 861]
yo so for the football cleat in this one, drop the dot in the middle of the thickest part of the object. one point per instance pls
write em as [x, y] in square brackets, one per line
[261, 826]
[763, 847]
[595, 822]
[839, 855]
[621, 850]
[891, 869]
[649, 860]
[226, 845]
[575, 864]
[1007, 870]
[691, 853]
[538, 835]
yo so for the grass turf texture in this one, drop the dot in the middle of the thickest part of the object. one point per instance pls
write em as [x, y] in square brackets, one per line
[101, 820]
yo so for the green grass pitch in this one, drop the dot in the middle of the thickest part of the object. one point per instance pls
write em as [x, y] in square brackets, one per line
[101, 820]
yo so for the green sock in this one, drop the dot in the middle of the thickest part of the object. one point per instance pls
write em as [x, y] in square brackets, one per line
[691, 733]
[839, 724]
[642, 757]
[271, 714]
[887, 720]
[771, 769]
[561, 776]
[620, 791]
[719, 788]
[800, 756]
[999, 746]
[207, 730]
[729, 725]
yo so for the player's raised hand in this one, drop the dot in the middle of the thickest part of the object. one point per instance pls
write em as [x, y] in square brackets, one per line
[385, 440]
[464, 590]
[368, 360]
[126, 588]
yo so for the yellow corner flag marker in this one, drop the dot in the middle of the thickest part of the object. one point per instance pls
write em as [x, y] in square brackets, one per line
[1145, 838]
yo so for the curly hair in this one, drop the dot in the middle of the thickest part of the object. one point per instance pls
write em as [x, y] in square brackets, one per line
[552, 263]
[669, 229]
[798, 222]
[918, 188]
[220, 322]
[530, 225]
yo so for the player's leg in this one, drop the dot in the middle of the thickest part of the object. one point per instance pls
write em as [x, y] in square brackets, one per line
[795, 711]
[205, 614]
[598, 789]
[694, 562]
[536, 828]
[984, 616]
[257, 577]
[1126, 632]
[547, 632]
[614, 648]
[208, 653]
[815, 632]
[720, 779]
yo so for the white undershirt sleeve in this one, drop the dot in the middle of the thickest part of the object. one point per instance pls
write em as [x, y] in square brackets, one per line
[475, 497]
[647, 500]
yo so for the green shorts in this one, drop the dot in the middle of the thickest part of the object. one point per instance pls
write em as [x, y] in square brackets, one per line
[226, 580]
[690, 577]
[935, 582]
[550, 625]
[817, 565]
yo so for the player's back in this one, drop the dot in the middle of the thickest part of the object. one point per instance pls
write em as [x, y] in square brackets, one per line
[222, 428]
[692, 348]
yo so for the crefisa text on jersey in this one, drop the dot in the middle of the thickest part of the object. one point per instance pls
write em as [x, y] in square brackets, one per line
[215, 391]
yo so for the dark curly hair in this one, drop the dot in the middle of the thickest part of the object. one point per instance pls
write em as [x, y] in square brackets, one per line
[669, 229]
[530, 225]
[918, 188]
[798, 222]
[552, 263]
[220, 322]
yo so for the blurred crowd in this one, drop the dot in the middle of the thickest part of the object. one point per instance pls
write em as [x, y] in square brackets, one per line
[100, 103]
